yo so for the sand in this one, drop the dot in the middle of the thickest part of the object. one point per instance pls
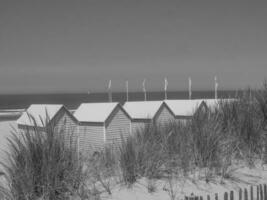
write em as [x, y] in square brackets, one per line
[5, 132]
[242, 177]
[5, 129]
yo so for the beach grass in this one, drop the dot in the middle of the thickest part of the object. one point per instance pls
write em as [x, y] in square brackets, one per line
[41, 165]
[206, 147]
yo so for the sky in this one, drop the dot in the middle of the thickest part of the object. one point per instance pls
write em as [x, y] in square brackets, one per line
[78, 46]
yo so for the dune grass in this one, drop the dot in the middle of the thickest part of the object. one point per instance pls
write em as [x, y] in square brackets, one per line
[41, 165]
[215, 137]
[44, 165]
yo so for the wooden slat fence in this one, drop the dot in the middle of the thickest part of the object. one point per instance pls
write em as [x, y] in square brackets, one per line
[243, 194]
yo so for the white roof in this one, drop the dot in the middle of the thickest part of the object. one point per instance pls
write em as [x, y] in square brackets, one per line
[94, 112]
[142, 109]
[183, 107]
[39, 114]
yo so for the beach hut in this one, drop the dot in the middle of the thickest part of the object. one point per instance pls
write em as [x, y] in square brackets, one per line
[40, 117]
[101, 124]
[146, 112]
[185, 109]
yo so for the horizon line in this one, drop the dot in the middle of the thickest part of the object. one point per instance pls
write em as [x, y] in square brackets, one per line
[118, 92]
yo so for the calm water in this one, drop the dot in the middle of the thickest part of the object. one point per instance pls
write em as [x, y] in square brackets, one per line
[72, 101]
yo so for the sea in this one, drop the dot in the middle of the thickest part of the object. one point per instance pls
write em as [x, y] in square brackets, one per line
[73, 100]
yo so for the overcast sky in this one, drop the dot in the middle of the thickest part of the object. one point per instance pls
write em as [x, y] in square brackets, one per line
[76, 46]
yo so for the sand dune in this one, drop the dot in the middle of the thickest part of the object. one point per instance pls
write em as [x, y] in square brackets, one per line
[5, 131]
[242, 177]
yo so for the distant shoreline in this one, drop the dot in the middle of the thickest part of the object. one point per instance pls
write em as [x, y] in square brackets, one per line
[116, 92]
[10, 115]
[72, 101]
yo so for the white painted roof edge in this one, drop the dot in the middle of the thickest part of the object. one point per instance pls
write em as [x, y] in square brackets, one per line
[103, 119]
[148, 117]
[29, 119]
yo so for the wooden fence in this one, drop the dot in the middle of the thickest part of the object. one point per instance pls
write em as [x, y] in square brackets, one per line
[253, 193]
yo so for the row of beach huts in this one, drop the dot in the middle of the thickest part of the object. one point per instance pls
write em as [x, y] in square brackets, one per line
[97, 124]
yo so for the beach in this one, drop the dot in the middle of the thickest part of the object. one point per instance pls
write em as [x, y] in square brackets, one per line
[242, 177]
[5, 131]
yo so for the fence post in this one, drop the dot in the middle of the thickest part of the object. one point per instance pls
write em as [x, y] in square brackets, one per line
[261, 193]
[200, 198]
[216, 196]
[251, 193]
[208, 197]
[240, 194]
[225, 196]
[232, 195]
[245, 194]
[265, 192]
[258, 191]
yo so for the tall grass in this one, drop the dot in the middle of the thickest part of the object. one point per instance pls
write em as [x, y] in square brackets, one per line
[242, 121]
[211, 140]
[261, 97]
[205, 132]
[41, 165]
[262, 104]
[128, 160]
[103, 168]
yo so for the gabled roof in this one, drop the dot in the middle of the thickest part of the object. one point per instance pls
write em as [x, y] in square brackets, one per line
[39, 114]
[94, 112]
[183, 107]
[142, 109]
